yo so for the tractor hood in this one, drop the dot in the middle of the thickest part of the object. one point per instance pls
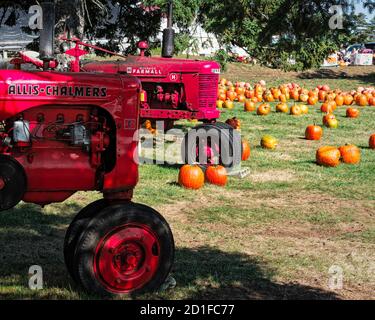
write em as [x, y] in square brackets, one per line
[21, 90]
[146, 67]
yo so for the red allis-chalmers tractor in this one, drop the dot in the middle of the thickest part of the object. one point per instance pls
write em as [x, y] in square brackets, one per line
[65, 132]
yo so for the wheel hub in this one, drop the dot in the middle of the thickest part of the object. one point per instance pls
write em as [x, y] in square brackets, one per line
[211, 152]
[127, 258]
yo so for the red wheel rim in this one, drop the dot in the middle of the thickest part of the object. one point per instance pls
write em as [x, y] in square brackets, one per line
[211, 152]
[127, 258]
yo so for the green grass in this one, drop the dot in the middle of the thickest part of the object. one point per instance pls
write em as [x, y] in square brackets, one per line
[273, 234]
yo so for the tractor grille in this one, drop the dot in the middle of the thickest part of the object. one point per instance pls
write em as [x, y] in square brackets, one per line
[208, 90]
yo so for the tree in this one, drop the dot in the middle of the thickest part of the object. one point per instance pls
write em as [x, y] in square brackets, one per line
[293, 34]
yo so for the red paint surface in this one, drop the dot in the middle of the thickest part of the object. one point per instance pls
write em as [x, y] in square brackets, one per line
[127, 258]
[57, 169]
[194, 81]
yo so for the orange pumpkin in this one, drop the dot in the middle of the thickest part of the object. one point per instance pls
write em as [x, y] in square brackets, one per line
[219, 104]
[228, 104]
[322, 95]
[191, 177]
[283, 98]
[313, 93]
[327, 118]
[328, 156]
[245, 150]
[241, 98]
[240, 91]
[352, 113]
[314, 132]
[332, 123]
[258, 89]
[303, 97]
[276, 93]
[362, 100]
[331, 96]
[264, 109]
[231, 95]
[304, 109]
[221, 90]
[371, 142]
[269, 142]
[222, 96]
[339, 100]
[294, 95]
[259, 97]
[234, 123]
[249, 94]
[148, 124]
[295, 110]
[249, 106]
[328, 107]
[348, 100]
[217, 175]
[282, 107]
[267, 96]
[313, 100]
[350, 154]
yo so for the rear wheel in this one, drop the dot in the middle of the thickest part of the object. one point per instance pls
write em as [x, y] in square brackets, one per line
[216, 143]
[126, 248]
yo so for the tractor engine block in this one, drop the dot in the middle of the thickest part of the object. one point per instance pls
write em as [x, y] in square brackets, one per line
[60, 149]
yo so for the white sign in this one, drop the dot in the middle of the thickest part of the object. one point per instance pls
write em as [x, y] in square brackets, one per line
[363, 59]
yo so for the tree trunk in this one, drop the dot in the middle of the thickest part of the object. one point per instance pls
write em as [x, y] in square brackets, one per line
[71, 17]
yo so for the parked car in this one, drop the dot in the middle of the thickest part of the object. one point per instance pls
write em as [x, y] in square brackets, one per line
[370, 45]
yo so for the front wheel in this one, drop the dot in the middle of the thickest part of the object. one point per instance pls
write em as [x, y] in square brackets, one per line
[75, 230]
[126, 248]
[210, 144]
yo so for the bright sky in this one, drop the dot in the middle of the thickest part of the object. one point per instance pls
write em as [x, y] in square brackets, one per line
[361, 9]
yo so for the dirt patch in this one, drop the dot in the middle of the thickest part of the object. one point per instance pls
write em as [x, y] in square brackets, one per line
[241, 71]
[273, 176]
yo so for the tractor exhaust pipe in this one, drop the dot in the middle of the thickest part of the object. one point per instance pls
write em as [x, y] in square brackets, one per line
[47, 33]
[168, 34]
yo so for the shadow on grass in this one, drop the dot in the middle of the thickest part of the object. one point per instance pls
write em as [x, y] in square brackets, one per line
[235, 276]
[338, 74]
[29, 237]
[149, 161]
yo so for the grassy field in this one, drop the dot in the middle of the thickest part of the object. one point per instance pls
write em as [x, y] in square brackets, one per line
[274, 234]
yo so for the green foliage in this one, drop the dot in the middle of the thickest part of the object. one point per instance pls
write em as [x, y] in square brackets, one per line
[277, 32]
[222, 57]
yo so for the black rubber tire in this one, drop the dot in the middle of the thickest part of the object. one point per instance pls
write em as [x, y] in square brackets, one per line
[78, 225]
[15, 181]
[106, 221]
[223, 131]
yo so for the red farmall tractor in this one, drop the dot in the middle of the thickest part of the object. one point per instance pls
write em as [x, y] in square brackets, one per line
[174, 89]
[63, 132]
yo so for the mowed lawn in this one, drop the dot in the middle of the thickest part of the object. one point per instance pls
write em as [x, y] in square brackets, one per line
[274, 234]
